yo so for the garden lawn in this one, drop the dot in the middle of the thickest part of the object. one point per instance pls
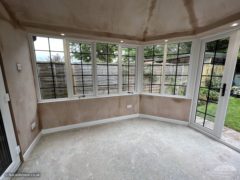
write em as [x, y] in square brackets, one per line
[233, 113]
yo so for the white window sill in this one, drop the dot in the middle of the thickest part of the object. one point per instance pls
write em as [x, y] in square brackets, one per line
[164, 95]
[74, 98]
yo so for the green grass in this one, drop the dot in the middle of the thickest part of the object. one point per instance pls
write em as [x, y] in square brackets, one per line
[233, 113]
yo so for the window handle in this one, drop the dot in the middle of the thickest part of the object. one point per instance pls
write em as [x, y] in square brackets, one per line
[224, 89]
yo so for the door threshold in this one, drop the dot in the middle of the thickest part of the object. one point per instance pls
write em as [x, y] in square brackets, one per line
[215, 138]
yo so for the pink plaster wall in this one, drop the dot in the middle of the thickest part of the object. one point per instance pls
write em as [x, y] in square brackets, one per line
[14, 49]
[62, 113]
[168, 107]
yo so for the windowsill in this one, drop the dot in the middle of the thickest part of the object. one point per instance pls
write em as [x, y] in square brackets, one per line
[164, 95]
[75, 98]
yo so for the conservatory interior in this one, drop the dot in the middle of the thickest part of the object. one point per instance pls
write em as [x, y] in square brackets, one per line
[120, 90]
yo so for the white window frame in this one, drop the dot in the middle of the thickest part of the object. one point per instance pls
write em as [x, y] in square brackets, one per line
[68, 71]
[195, 47]
[136, 67]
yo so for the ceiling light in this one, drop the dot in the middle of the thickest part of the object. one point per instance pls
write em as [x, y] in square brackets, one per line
[121, 41]
[166, 40]
[234, 24]
[62, 34]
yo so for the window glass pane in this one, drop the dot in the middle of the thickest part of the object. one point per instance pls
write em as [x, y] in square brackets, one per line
[182, 70]
[57, 57]
[153, 59]
[176, 69]
[50, 67]
[170, 70]
[185, 48]
[61, 92]
[180, 90]
[81, 63]
[41, 43]
[181, 80]
[44, 69]
[156, 88]
[170, 80]
[60, 81]
[101, 48]
[169, 90]
[148, 52]
[128, 69]
[107, 68]
[56, 44]
[102, 80]
[42, 56]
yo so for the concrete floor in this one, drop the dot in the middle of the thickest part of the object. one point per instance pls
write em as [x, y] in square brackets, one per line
[132, 149]
[229, 135]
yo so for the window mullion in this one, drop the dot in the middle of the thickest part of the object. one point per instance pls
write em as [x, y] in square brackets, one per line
[139, 71]
[52, 70]
[68, 69]
[120, 69]
[94, 69]
[163, 69]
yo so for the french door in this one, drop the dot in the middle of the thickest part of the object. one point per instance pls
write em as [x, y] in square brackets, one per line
[214, 81]
[9, 151]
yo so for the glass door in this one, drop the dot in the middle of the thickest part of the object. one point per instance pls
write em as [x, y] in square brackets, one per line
[231, 129]
[5, 156]
[216, 105]
[210, 82]
[9, 154]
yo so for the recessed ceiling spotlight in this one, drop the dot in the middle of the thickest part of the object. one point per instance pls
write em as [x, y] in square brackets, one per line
[62, 34]
[234, 24]
[166, 40]
[121, 41]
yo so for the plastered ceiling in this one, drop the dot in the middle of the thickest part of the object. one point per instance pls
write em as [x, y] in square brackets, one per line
[141, 20]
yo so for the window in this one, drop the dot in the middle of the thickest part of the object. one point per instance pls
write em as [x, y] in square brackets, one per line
[166, 68]
[81, 66]
[176, 68]
[49, 54]
[89, 73]
[128, 69]
[107, 68]
[153, 62]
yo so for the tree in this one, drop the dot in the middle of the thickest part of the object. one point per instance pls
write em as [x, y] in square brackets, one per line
[80, 51]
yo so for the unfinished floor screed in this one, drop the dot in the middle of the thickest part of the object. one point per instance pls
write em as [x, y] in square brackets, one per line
[132, 149]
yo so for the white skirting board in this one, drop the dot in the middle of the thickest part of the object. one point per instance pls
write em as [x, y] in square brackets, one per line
[31, 147]
[94, 123]
[174, 121]
[88, 124]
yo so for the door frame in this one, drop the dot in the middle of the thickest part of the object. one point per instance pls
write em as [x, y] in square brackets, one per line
[9, 129]
[231, 58]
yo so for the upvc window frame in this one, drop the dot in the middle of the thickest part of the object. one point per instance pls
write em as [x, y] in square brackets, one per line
[194, 54]
[136, 67]
[68, 71]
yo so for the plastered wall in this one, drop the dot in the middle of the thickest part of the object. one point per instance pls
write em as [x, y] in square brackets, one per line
[56, 114]
[168, 107]
[14, 49]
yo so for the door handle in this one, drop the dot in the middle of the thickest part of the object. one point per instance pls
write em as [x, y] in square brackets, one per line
[224, 89]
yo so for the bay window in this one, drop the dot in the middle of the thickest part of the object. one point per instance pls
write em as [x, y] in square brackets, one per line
[66, 68]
